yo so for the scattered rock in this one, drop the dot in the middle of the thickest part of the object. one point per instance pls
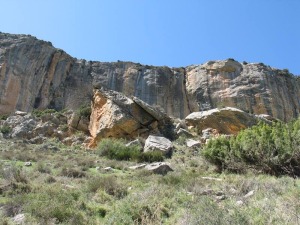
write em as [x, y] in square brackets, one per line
[221, 197]
[211, 178]
[97, 168]
[249, 194]
[19, 218]
[137, 167]
[159, 168]
[192, 143]
[107, 169]
[239, 203]
[67, 186]
[136, 142]
[156, 143]
[20, 113]
[27, 164]
[183, 132]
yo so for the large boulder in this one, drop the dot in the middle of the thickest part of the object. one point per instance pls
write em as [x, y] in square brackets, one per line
[226, 120]
[156, 143]
[115, 115]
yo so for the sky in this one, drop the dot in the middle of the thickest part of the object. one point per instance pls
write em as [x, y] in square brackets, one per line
[171, 33]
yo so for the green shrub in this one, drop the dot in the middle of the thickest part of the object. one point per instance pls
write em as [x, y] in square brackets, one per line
[155, 156]
[72, 172]
[4, 117]
[52, 203]
[5, 129]
[39, 112]
[116, 149]
[85, 111]
[110, 185]
[272, 149]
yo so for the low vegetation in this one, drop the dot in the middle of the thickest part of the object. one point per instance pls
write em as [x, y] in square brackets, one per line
[273, 149]
[70, 185]
[116, 149]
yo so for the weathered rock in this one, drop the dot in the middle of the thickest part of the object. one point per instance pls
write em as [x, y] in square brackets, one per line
[78, 122]
[183, 132]
[138, 166]
[136, 142]
[252, 87]
[156, 143]
[19, 218]
[27, 164]
[20, 113]
[249, 194]
[115, 115]
[159, 168]
[34, 74]
[226, 120]
[192, 143]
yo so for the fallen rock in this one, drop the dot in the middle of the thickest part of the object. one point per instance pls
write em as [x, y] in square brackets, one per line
[192, 143]
[183, 132]
[136, 142]
[156, 143]
[159, 168]
[226, 120]
[211, 178]
[19, 218]
[249, 194]
[20, 113]
[137, 166]
[107, 169]
[239, 203]
[27, 164]
[115, 115]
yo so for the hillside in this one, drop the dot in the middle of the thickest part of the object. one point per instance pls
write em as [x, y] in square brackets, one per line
[85, 142]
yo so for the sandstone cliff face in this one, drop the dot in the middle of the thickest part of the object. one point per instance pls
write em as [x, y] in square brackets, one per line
[254, 88]
[34, 74]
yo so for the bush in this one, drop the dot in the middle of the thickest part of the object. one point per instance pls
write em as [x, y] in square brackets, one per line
[85, 111]
[116, 149]
[72, 172]
[110, 185]
[39, 113]
[5, 129]
[154, 156]
[52, 204]
[272, 149]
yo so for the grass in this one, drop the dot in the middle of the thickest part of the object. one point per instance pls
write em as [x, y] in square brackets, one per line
[64, 187]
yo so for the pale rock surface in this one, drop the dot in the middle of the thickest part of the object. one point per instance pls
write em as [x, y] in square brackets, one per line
[226, 120]
[156, 143]
[184, 132]
[192, 143]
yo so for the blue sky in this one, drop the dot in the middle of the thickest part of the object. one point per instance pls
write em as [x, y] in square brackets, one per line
[163, 32]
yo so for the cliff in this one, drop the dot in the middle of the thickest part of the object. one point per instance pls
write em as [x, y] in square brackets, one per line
[34, 74]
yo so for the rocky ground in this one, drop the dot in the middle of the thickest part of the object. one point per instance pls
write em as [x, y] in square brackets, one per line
[51, 183]
[49, 175]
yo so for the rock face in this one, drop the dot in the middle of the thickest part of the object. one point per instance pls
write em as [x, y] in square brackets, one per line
[226, 121]
[34, 74]
[254, 88]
